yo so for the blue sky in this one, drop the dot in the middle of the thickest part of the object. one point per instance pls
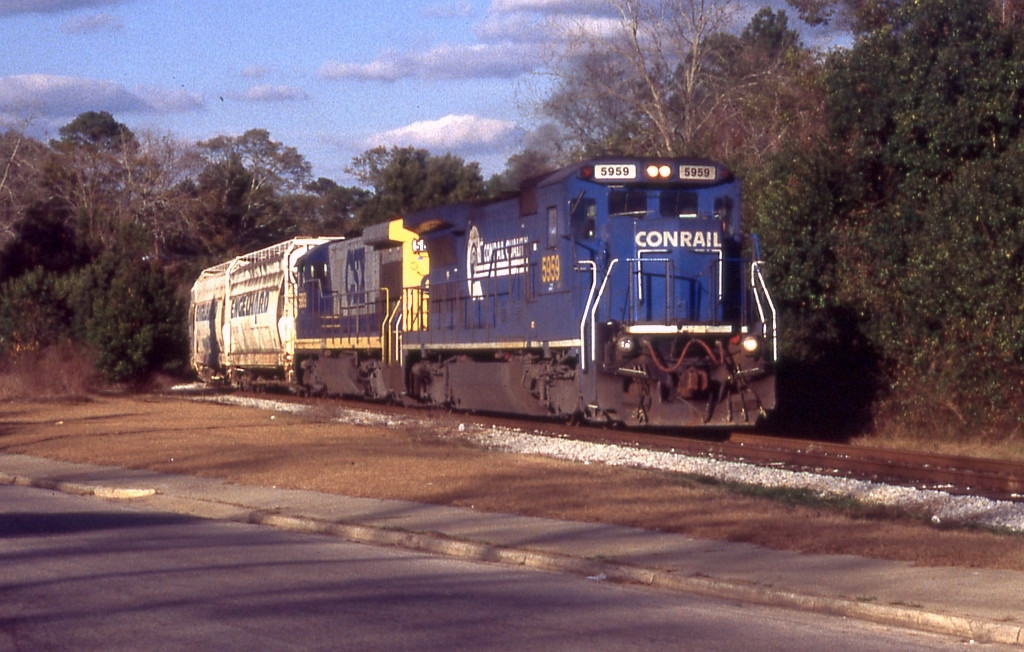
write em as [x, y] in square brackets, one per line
[331, 78]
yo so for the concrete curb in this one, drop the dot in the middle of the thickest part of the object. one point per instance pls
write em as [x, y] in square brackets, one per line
[77, 488]
[977, 630]
[974, 629]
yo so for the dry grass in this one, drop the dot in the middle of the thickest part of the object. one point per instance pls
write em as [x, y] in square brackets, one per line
[248, 446]
[946, 433]
[65, 371]
[60, 371]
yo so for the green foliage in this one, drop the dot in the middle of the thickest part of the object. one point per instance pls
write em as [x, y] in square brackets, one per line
[861, 16]
[770, 32]
[524, 165]
[406, 179]
[33, 312]
[902, 235]
[96, 129]
[334, 209]
[127, 310]
[246, 189]
[913, 102]
[963, 330]
[828, 380]
[45, 239]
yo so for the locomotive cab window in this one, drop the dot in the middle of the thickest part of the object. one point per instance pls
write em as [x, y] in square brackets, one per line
[723, 208]
[677, 203]
[314, 272]
[584, 218]
[627, 202]
[552, 227]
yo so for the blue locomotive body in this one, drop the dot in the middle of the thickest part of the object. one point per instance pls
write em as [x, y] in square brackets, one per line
[613, 289]
[350, 313]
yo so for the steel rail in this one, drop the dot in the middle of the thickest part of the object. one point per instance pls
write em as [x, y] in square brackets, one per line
[955, 474]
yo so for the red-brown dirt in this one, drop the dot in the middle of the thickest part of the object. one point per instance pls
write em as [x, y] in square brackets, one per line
[425, 463]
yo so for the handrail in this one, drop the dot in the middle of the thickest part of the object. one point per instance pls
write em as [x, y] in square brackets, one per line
[634, 306]
[392, 336]
[715, 271]
[586, 311]
[385, 329]
[398, 333]
[757, 281]
[640, 267]
[593, 309]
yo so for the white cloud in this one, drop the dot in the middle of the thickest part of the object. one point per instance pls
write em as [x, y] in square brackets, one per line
[449, 9]
[515, 37]
[550, 30]
[450, 133]
[552, 6]
[37, 95]
[255, 72]
[92, 24]
[160, 100]
[11, 7]
[265, 93]
[386, 68]
[475, 61]
[57, 95]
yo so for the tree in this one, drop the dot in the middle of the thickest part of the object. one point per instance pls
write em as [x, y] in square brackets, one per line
[859, 16]
[643, 87]
[44, 239]
[126, 309]
[241, 190]
[772, 93]
[916, 174]
[334, 208]
[831, 373]
[96, 129]
[87, 173]
[270, 165]
[156, 195]
[406, 179]
[22, 161]
[102, 178]
[541, 153]
[33, 312]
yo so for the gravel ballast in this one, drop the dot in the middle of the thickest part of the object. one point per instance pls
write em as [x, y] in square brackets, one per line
[942, 508]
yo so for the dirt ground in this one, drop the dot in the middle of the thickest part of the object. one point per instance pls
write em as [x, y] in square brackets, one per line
[425, 463]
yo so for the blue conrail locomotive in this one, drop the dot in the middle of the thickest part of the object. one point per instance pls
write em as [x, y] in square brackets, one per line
[617, 290]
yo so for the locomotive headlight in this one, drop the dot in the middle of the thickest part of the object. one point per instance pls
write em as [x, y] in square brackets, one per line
[658, 171]
[751, 344]
[626, 345]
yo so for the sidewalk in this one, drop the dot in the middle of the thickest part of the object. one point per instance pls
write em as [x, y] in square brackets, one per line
[985, 606]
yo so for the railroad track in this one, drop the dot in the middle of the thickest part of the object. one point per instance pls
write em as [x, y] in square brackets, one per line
[990, 478]
[997, 479]
[956, 474]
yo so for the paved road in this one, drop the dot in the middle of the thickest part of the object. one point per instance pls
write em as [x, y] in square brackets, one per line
[81, 573]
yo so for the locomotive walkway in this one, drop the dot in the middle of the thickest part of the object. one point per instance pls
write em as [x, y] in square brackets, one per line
[984, 606]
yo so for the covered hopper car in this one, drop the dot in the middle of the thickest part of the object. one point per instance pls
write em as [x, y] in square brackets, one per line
[242, 324]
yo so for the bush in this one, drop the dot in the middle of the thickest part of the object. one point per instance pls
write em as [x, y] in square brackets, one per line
[33, 312]
[127, 310]
[61, 369]
[895, 245]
